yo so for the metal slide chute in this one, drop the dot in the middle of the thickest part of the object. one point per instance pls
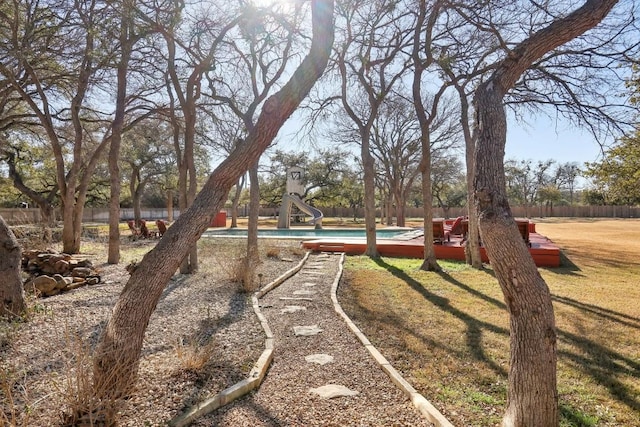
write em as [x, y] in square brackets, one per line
[284, 220]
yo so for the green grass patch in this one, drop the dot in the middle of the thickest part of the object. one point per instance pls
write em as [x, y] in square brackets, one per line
[448, 332]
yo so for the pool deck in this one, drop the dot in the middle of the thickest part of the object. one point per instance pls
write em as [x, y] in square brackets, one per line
[544, 252]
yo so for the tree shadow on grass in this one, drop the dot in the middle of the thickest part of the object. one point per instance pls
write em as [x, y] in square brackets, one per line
[602, 364]
[493, 301]
[605, 313]
[475, 327]
[605, 366]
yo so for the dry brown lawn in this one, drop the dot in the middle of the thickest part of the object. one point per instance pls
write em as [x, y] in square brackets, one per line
[448, 332]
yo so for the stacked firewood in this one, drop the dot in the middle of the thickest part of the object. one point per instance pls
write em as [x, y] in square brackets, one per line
[52, 272]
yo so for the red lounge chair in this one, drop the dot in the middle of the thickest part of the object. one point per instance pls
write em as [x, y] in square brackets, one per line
[162, 227]
[455, 229]
[132, 226]
[438, 231]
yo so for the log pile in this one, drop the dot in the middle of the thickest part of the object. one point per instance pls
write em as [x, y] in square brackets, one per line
[53, 272]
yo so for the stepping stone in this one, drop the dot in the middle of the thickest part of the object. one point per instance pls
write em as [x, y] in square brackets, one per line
[296, 299]
[309, 284]
[292, 308]
[320, 358]
[306, 331]
[304, 292]
[330, 391]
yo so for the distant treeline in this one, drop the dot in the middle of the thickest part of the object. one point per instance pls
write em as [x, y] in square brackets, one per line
[101, 215]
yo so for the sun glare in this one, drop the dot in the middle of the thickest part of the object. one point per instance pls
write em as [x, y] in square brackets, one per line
[263, 3]
[268, 3]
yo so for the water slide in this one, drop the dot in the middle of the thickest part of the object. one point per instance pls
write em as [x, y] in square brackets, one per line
[284, 219]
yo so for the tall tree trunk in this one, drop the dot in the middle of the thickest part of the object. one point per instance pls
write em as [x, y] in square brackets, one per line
[236, 201]
[134, 186]
[252, 258]
[170, 205]
[47, 213]
[70, 244]
[472, 248]
[532, 394]
[400, 208]
[118, 353]
[11, 291]
[113, 256]
[190, 262]
[429, 263]
[369, 198]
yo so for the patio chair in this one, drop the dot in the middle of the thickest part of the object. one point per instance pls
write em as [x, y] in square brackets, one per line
[144, 231]
[455, 229]
[132, 226]
[438, 231]
[162, 227]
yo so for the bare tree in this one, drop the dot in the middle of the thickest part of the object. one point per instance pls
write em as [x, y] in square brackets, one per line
[396, 147]
[58, 74]
[195, 53]
[147, 156]
[463, 55]
[19, 155]
[228, 132]
[371, 62]
[117, 355]
[426, 24]
[260, 52]
[532, 392]
[127, 37]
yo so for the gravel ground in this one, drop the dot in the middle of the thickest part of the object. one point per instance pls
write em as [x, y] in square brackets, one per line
[199, 317]
[284, 399]
[202, 338]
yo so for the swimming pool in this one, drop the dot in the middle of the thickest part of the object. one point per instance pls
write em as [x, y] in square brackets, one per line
[310, 233]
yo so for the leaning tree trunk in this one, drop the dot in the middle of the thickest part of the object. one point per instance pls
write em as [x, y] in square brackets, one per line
[532, 395]
[11, 291]
[532, 398]
[118, 353]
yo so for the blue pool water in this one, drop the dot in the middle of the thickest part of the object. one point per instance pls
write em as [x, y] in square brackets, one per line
[307, 233]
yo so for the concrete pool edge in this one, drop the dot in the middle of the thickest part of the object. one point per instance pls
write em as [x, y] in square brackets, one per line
[387, 233]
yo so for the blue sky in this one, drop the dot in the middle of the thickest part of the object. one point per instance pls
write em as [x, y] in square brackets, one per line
[545, 138]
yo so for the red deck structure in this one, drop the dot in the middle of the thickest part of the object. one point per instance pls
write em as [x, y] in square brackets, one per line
[544, 252]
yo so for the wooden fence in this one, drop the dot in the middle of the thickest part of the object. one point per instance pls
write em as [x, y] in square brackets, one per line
[101, 215]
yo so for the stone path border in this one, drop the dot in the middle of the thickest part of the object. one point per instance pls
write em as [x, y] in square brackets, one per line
[259, 370]
[419, 401]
